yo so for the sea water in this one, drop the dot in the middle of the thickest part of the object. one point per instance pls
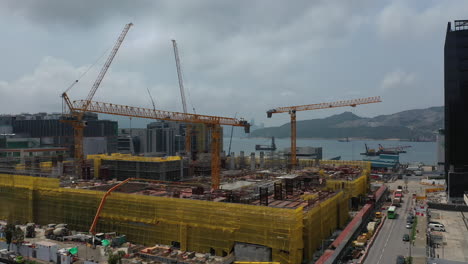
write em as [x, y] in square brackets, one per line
[425, 152]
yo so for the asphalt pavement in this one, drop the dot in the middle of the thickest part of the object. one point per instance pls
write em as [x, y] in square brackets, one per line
[389, 242]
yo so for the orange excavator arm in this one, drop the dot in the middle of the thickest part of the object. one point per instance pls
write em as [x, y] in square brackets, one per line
[92, 229]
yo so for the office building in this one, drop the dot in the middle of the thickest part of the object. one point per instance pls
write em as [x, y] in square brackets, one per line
[456, 108]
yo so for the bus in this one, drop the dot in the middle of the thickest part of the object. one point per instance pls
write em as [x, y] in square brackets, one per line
[391, 212]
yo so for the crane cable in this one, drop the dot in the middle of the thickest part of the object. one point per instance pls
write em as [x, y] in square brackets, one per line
[87, 70]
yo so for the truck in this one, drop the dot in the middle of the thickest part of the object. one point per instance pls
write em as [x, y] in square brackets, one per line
[56, 232]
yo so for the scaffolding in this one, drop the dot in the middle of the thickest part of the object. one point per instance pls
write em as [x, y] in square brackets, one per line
[195, 225]
[293, 234]
[124, 166]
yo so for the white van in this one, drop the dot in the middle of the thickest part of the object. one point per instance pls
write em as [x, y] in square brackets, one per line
[433, 223]
[437, 227]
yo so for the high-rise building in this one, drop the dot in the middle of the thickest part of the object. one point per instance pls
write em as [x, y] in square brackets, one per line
[456, 108]
[168, 138]
[133, 140]
[165, 138]
[100, 136]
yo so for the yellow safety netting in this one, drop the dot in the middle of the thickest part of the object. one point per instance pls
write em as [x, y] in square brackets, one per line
[354, 188]
[44, 166]
[196, 225]
[20, 181]
[97, 159]
[365, 165]
[322, 220]
[202, 226]
[129, 157]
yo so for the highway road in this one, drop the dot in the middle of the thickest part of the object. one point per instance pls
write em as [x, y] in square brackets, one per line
[389, 242]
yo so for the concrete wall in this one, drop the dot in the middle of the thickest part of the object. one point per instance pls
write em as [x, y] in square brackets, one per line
[252, 252]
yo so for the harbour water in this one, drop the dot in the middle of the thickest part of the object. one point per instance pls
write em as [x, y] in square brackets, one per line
[424, 152]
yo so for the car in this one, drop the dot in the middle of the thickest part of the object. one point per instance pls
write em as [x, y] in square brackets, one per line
[434, 223]
[409, 225]
[405, 237]
[438, 228]
[409, 219]
[400, 259]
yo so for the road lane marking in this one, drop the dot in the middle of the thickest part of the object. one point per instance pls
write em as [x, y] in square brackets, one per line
[405, 212]
[392, 225]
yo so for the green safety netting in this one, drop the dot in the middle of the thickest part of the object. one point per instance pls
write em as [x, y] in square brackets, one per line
[73, 250]
[105, 242]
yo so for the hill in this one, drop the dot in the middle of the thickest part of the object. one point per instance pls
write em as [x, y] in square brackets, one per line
[418, 124]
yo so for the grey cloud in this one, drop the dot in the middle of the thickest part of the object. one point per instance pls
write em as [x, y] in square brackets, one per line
[237, 56]
[83, 13]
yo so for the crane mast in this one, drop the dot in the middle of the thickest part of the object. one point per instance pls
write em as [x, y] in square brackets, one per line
[188, 129]
[179, 75]
[214, 122]
[293, 109]
[77, 116]
[106, 66]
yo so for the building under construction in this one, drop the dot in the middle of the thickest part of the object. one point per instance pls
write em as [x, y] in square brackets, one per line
[284, 216]
[252, 214]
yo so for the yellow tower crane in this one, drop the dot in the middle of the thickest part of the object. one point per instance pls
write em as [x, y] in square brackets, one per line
[214, 122]
[75, 117]
[293, 109]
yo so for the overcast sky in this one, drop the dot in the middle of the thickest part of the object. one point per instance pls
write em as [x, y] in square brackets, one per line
[237, 56]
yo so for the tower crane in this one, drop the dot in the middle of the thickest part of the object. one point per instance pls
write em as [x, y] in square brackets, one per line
[75, 117]
[293, 109]
[214, 122]
[188, 128]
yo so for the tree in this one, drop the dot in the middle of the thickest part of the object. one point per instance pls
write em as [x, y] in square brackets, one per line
[9, 230]
[115, 258]
[18, 237]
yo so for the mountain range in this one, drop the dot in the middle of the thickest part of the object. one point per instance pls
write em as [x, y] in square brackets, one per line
[416, 125]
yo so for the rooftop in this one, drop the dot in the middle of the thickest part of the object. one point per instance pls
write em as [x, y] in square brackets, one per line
[304, 188]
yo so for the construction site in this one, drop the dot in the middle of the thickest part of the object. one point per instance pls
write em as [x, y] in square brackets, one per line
[269, 208]
[286, 215]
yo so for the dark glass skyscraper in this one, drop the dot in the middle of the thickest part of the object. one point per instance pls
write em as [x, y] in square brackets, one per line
[456, 107]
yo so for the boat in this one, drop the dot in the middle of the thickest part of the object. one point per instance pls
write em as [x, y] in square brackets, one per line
[382, 150]
[393, 150]
[336, 158]
[344, 140]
